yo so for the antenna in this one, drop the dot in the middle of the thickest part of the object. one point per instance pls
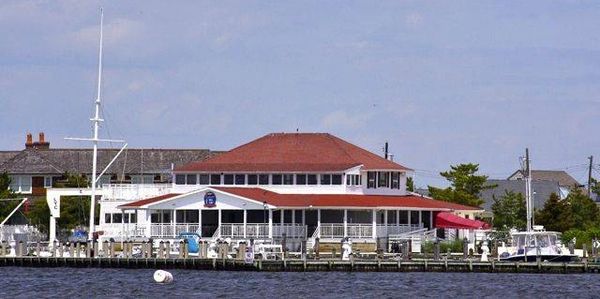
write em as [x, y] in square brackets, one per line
[528, 191]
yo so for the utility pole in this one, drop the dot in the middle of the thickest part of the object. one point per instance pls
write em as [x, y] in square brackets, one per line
[589, 190]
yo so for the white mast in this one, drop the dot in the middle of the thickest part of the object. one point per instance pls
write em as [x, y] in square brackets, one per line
[96, 121]
[528, 192]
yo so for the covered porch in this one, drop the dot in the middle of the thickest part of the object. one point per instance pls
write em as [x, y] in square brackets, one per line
[240, 218]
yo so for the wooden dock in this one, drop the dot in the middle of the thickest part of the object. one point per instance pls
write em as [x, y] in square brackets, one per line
[302, 265]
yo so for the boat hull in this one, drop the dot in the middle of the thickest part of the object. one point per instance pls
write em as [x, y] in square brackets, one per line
[561, 258]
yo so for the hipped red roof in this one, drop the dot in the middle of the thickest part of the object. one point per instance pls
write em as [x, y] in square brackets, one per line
[283, 152]
[325, 200]
[449, 220]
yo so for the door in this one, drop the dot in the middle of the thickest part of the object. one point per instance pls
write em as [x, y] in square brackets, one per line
[37, 186]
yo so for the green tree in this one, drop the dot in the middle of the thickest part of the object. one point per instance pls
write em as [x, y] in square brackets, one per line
[595, 186]
[556, 215]
[510, 211]
[410, 184]
[6, 206]
[585, 211]
[465, 185]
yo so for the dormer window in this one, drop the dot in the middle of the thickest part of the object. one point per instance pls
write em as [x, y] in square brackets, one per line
[252, 179]
[311, 179]
[325, 179]
[288, 179]
[301, 179]
[215, 179]
[276, 179]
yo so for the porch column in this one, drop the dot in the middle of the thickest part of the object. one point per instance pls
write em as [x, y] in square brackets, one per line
[374, 218]
[319, 222]
[122, 226]
[409, 215]
[420, 218]
[200, 222]
[430, 219]
[173, 214]
[303, 217]
[281, 216]
[245, 221]
[294, 217]
[270, 224]
[345, 222]
[385, 222]
[397, 217]
[148, 224]
[219, 219]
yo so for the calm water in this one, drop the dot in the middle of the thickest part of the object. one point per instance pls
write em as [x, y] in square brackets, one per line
[114, 283]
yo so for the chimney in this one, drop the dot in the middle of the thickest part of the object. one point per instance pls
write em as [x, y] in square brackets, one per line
[41, 143]
[29, 141]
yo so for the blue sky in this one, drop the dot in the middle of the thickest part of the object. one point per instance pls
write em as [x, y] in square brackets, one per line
[444, 82]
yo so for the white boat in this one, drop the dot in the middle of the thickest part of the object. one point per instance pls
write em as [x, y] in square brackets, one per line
[530, 245]
[535, 242]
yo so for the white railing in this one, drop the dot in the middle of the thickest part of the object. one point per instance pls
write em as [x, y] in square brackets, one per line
[118, 230]
[393, 229]
[353, 230]
[166, 230]
[362, 230]
[259, 230]
[293, 231]
[134, 191]
[33, 234]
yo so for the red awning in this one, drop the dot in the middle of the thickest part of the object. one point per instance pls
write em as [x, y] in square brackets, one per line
[449, 220]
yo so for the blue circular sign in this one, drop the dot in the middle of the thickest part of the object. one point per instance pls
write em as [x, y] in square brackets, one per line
[210, 200]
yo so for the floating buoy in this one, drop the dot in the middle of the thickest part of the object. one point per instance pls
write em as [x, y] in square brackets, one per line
[162, 276]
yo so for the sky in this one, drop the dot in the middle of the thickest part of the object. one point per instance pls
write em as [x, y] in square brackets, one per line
[444, 82]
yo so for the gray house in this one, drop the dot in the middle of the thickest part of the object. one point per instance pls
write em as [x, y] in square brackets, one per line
[38, 166]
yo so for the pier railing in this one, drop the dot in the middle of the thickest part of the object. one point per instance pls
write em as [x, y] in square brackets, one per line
[259, 230]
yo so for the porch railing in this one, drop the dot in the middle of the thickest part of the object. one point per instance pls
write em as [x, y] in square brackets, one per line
[354, 230]
[393, 229]
[260, 230]
[170, 231]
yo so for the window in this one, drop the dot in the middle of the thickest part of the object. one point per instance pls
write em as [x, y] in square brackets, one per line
[117, 218]
[107, 218]
[203, 179]
[155, 218]
[240, 179]
[395, 180]
[288, 179]
[325, 179]
[252, 179]
[263, 179]
[228, 179]
[48, 182]
[179, 216]
[276, 179]
[336, 179]
[215, 179]
[166, 217]
[300, 179]
[125, 218]
[191, 179]
[133, 218]
[311, 179]
[353, 180]
[384, 179]
[180, 179]
[371, 177]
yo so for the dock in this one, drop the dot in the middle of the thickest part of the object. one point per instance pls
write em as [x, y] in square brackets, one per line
[303, 265]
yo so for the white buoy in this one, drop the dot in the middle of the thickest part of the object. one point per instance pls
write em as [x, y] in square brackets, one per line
[162, 276]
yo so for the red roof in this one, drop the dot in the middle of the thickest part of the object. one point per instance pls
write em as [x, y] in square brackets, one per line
[282, 152]
[150, 200]
[342, 200]
[323, 200]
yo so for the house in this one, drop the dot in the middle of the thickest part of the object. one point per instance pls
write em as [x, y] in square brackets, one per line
[561, 177]
[38, 166]
[297, 186]
[541, 191]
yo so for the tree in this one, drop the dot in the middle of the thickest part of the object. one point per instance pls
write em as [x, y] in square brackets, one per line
[465, 185]
[6, 206]
[510, 211]
[585, 211]
[595, 186]
[556, 215]
[410, 184]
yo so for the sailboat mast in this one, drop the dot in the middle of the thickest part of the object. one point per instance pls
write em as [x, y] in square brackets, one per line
[96, 120]
[528, 192]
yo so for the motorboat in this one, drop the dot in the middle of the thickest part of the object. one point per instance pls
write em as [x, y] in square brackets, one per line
[528, 246]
